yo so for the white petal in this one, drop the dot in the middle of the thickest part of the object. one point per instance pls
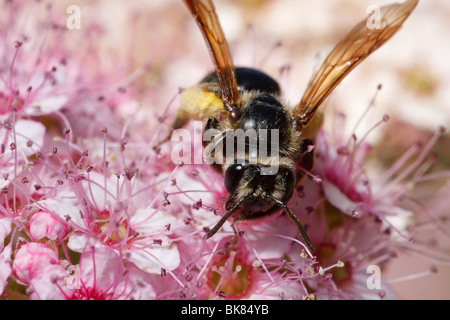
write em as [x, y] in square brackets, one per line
[47, 105]
[28, 130]
[151, 259]
[338, 199]
[99, 190]
[78, 242]
[7, 170]
[206, 218]
[65, 208]
[25, 131]
[195, 190]
[150, 221]
[270, 246]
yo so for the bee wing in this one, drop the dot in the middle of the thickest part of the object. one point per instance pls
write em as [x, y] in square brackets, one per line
[206, 17]
[348, 53]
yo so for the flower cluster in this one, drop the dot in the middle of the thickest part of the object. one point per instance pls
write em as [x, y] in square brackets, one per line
[92, 207]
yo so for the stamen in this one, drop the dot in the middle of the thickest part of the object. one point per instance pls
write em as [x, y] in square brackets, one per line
[413, 276]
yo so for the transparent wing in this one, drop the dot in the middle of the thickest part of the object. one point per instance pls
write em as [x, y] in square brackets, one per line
[362, 40]
[206, 17]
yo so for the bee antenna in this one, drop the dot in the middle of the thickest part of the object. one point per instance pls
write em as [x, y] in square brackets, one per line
[223, 219]
[297, 222]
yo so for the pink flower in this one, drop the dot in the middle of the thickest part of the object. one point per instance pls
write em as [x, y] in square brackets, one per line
[348, 186]
[230, 274]
[100, 275]
[103, 276]
[31, 260]
[45, 225]
[346, 250]
[140, 234]
[147, 247]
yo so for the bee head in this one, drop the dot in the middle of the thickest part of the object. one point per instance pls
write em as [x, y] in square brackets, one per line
[247, 181]
[257, 194]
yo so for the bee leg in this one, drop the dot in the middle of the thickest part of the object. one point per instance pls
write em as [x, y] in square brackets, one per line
[300, 228]
[235, 240]
[224, 218]
[212, 123]
[297, 222]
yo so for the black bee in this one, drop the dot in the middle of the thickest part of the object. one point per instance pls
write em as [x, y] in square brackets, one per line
[248, 99]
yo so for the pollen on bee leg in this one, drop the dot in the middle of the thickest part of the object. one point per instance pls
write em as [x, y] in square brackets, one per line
[199, 102]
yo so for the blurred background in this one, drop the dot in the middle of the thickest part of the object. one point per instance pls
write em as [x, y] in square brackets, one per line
[288, 39]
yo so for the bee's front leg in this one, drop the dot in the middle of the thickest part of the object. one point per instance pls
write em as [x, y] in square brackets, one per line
[212, 124]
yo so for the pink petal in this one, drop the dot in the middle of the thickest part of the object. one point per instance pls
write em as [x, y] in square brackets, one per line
[32, 259]
[100, 268]
[271, 246]
[5, 267]
[52, 285]
[44, 225]
[136, 286]
[5, 229]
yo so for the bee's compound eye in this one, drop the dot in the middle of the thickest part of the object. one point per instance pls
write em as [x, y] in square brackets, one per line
[233, 176]
[289, 184]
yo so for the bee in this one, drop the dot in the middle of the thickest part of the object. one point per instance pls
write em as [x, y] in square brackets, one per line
[232, 98]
